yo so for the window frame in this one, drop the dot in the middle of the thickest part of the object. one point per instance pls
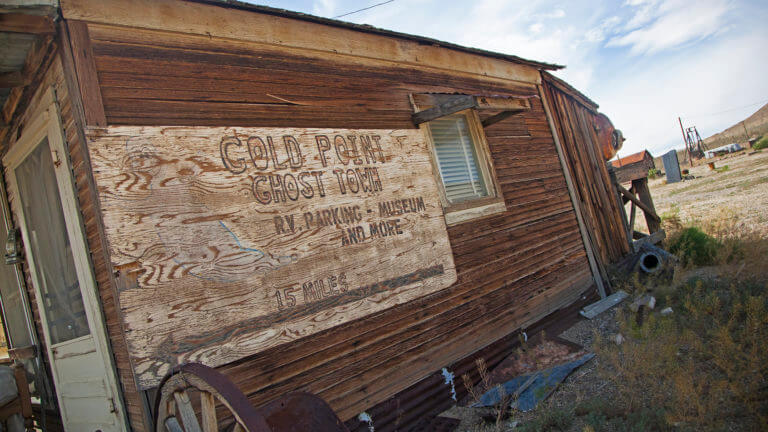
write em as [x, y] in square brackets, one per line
[472, 208]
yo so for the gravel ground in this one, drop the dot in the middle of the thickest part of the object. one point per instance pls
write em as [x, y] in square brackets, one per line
[739, 192]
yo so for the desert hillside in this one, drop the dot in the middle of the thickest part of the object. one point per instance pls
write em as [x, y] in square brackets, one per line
[757, 124]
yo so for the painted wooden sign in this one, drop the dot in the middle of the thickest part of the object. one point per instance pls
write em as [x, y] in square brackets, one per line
[247, 238]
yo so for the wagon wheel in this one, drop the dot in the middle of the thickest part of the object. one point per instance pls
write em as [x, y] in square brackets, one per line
[174, 403]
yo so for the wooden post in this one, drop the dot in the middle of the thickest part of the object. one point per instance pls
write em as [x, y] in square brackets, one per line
[621, 202]
[644, 195]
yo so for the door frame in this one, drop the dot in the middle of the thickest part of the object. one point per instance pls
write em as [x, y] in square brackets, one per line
[45, 122]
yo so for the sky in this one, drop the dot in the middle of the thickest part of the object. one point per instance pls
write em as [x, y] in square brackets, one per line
[645, 62]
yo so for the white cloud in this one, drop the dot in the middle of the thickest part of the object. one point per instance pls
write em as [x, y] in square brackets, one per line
[536, 28]
[645, 104]
[599, 33]
[644, 14]
[557, 13]
[325, 8]
[674, 23]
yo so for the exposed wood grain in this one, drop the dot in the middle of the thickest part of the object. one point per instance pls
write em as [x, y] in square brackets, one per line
[13, 79]
[85, 69]
[187, 412]
[573, 118]
[227, 23]
[208, 412]
[644, 195]
[643, 206]
[510, 264]
[182, 203]
[73, 115]
[26, 23]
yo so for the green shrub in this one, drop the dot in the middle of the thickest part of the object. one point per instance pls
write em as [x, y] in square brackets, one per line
[694, 246]
[762, 143]
[653, 173]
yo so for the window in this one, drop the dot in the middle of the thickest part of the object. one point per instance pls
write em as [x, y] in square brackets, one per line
[457, 159]
[462, 160]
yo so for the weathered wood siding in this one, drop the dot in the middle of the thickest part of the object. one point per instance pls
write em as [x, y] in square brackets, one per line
[55, 77]
[513, 268]
[574, 122]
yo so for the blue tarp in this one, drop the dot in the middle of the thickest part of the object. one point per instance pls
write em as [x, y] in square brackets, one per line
[540, 388]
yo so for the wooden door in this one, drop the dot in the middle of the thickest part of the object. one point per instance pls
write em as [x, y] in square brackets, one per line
[41, 184]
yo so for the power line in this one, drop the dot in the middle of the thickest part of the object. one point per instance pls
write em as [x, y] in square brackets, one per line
[363, 9]
[728, 110]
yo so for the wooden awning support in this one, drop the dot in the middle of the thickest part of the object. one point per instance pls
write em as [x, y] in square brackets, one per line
[13, 79]
[648, 211]
[443, 105]
[26, 23]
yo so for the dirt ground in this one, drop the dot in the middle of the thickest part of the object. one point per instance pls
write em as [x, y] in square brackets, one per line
[738, 186]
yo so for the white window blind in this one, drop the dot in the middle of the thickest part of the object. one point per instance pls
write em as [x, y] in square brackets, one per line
[457, 159]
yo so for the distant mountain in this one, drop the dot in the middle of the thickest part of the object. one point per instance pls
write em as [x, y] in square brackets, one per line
[756, 125]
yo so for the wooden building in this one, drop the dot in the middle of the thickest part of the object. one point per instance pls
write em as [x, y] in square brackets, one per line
[633, 167]
[302, 203]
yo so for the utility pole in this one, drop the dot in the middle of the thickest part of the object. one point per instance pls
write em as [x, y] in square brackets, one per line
[746, 134]
[685, 141]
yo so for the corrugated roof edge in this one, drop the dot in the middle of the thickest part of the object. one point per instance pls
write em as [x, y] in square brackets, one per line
[570, 89]
[375, 30]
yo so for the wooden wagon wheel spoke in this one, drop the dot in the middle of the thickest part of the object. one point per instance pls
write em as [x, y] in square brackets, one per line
[176, 411]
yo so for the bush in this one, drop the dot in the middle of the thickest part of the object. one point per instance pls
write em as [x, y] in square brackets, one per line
[761, 143]
[703, 367]
[694, 246]
[654, 173]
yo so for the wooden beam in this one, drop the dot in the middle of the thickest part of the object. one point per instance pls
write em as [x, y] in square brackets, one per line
[315, 39]
[648, 211]
[633, 171]
[25, 23]
[454, 105]
[621, 201]
[13, 79]
[632, 213]
[503, 103]
[644, 195]
[652, 239]
[499, 117]
[85, 69]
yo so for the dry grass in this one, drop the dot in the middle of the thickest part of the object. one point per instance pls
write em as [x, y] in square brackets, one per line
[705, 366]
[501, 410]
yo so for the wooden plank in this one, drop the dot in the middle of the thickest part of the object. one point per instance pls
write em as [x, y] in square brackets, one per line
[218, 22]
[452, 106]
[208, 412]
[644, 195]
[328, 203]
[603, 305]
[649, 212]
[633, 171]
[74, 118]
[187, 412]
[25, 23]
[85, 69]
[649, 239]
[499, 117]
[503, 103]
[13, 79]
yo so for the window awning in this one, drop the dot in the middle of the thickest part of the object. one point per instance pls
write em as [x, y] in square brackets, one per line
[441, 105]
